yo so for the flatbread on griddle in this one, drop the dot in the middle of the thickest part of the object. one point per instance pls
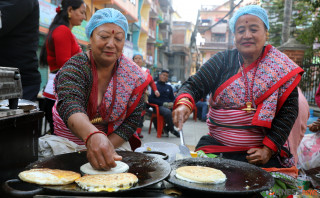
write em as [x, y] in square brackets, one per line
[200, 174]
[107, 182]
[120, 168]
[46, 176]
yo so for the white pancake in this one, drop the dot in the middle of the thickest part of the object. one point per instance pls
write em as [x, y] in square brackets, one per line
[200, 174]
[120, 168]
[46, 176]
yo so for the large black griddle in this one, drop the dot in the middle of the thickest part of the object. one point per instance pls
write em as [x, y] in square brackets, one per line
[242, 178]
[149, 170]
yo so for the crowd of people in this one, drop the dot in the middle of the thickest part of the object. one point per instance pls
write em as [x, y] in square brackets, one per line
[248, 96]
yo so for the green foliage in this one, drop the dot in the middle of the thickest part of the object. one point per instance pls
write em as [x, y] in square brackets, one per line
[314, 3]
[275, 11]
[308, 23]
[304, 16]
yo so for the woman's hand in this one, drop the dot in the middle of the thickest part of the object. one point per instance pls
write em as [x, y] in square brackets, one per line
[101, 153]
[180, 115]
[259, 156]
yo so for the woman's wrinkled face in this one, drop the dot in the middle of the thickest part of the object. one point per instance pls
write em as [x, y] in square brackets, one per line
[77, 15]
[250, 35]
[107, 43]
[138, 60]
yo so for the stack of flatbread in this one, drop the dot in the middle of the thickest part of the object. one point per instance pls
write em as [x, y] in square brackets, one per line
[200, 174]
[112, 180]
[107, 182]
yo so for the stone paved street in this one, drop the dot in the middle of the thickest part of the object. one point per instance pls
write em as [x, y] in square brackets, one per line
[193, 131]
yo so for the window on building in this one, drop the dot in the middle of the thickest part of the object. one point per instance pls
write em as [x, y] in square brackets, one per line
[171, 60]
[219, 38]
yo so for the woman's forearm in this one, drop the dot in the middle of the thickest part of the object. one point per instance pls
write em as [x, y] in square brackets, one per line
[116, 140]
[80, 125]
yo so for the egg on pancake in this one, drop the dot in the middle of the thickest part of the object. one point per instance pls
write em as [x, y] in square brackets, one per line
[46, 176]
[107, 182]
[120, 168]
[200, 174]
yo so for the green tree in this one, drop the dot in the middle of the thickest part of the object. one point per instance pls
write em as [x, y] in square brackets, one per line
[286, 21]
[304, 17]
[308, 25]
[275, 12]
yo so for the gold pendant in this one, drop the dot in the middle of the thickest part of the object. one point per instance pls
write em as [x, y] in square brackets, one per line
[249, 107]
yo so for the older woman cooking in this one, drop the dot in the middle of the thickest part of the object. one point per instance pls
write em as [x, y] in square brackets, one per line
[99, 93]
[254, 99]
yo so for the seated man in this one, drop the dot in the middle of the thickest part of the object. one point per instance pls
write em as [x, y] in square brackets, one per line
[202, 107]
[165, 102]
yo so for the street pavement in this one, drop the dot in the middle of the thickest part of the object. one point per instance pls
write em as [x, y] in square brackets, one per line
[193, 131]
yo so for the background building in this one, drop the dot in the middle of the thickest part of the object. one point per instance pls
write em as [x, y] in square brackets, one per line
[216, 35]
[180, 60]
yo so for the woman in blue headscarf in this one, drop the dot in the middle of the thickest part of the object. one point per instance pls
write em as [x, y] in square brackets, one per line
[254, 99]
[138, 59]
[98, 92]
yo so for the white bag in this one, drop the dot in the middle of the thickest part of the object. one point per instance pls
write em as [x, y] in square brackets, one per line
[50, 145]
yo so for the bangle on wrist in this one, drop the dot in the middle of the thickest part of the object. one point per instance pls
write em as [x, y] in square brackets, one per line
[186, 101]
[186, 104]
[92, 133]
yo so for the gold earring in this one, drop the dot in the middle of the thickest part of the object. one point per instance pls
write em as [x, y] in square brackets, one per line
[267, 35]
[69, 15]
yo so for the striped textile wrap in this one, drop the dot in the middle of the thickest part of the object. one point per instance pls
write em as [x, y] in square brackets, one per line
[233, 128]
[78, 83]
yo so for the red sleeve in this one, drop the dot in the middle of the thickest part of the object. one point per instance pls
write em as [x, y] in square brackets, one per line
[152, 84]
[62, 40]
[266, 141]
[184, 95]
[317, 97]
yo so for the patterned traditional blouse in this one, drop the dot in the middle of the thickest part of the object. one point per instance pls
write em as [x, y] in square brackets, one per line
[73, 86]
[224, 66]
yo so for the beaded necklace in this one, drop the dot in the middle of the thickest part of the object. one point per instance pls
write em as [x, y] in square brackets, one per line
[249, 89]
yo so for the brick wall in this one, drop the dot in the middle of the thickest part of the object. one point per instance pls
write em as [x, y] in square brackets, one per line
[295, 55]
[178, 37]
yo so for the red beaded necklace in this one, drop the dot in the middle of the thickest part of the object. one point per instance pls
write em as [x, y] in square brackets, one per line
[249, 89]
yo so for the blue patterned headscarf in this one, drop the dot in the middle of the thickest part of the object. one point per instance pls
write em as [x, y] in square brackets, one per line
[136, 54]
[252, 10]
[107, 15]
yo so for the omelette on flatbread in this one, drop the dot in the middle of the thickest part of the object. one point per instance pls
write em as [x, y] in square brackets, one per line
[46, 176]
[120, 168]
[107, 182]
[200, 174]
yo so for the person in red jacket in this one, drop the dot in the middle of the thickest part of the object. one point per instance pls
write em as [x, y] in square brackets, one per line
[60, 46]
[138, 59]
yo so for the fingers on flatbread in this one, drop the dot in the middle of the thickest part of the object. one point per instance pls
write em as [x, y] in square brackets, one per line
[120, 168]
